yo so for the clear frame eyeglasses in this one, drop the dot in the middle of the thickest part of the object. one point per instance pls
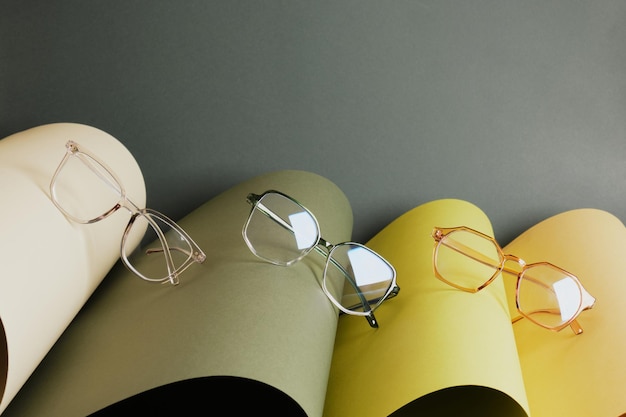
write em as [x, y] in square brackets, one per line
[281, 231]
[545, 294]
[80, 175]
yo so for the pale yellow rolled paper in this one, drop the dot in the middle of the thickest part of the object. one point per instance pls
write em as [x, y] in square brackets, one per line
[568, 375]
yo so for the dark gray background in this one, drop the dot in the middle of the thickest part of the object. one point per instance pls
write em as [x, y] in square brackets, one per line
[516, 106]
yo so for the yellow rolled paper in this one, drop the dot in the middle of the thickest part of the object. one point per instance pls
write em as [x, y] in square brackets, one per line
[439, 351]
[567, 374]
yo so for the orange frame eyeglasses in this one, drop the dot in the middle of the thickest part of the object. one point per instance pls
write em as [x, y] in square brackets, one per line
[545, 294]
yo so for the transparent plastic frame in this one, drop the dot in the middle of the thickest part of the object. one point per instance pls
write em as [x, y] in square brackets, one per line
[440, 234]
[325, 249]
[102, 171]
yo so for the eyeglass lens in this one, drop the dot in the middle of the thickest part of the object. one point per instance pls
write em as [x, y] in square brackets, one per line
[356, 277]
[467, 260]
[156, 233]
[548, 295]
[280, 231]
[84, 189]
[545, 294]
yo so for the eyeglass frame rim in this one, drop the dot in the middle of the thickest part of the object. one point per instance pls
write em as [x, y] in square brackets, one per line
[439, 233]
[73, 149]
[393, 287]
[253, 199]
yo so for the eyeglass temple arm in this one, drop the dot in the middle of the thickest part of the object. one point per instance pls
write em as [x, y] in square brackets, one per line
[254, 200]
[394, 291]
[467, 251]
[173, 276]
[479, 257]
[80, 155]
[574, 325]
[176, 249]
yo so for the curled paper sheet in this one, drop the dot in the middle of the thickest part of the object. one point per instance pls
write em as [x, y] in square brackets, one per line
[237, 334]
[444, 352]
[439, 351]
[566, 374]
[50, 265]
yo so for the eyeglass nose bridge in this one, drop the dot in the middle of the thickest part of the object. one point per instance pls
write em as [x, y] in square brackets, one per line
[129, 205]
[508, 258]
[325, 244]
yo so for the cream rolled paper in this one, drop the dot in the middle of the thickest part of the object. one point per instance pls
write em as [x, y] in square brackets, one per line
[50, 265]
